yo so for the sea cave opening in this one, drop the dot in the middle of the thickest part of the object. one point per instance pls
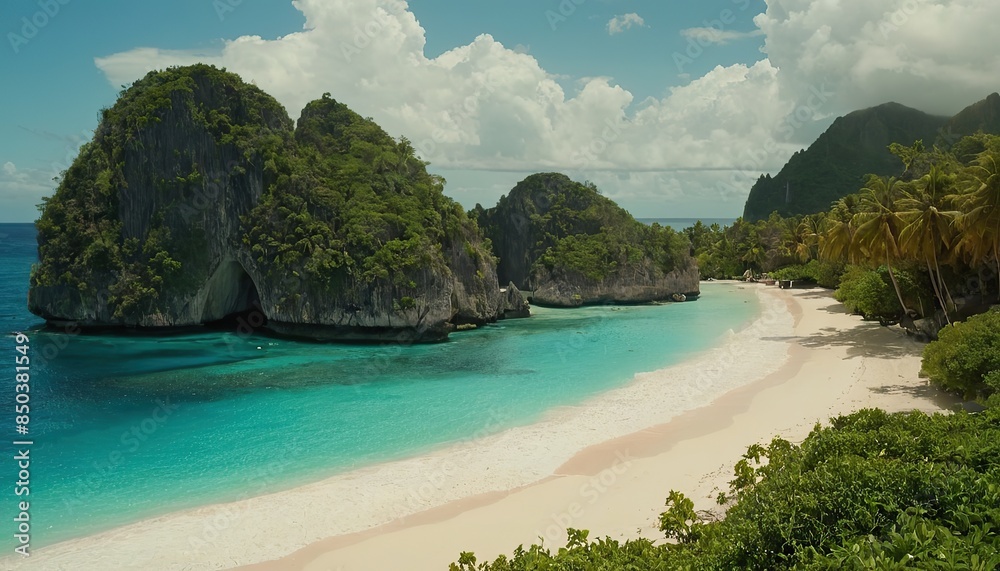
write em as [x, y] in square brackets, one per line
[232, 299]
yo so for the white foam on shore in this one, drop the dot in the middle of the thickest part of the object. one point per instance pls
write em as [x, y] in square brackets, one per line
[275, 525]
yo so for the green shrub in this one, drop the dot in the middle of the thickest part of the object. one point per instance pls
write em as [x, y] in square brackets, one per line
[966, 357]
[827, 274]
[822, 273]
[798, 272]
[872, 491]
[866, 293]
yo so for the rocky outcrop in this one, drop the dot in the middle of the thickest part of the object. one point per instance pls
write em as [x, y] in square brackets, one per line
[570, 246]
[475, 291]
[836, 164]
[360, 310]
[513, 304]
[571, 289]
[198, 200]
[159, 243]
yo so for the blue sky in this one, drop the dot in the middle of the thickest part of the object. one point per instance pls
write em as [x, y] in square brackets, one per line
[580, 46]
[628, 93]
[54, 89]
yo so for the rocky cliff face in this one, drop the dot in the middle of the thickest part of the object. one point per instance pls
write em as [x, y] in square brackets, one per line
[365, 311]
[509, 227]
[513, 305]
[855, 146]
[560, 288]
[197, 200]
[474, 292]
[836, 164]
[570, 246]
[144, 229]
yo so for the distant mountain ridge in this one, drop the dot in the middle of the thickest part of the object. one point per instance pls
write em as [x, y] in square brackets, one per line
[980, 116]
[857, 145]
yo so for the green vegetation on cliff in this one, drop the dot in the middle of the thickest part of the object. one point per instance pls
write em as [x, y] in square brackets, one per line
[198, 198]
[353, 203]
[836, 164]
[855, 146]
[871, 491]
[84, 243]
[551, 222]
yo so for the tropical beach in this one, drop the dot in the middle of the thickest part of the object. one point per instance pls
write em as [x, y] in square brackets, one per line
[834, 364]
[379, 284]
[605, 466]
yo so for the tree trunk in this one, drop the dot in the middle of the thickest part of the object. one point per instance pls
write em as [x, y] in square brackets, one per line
[937, 291]
[996, 257]
[947, 292]
[944, 287]
[895, 284]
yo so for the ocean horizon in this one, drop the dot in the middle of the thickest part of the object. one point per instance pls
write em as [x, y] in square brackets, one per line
[679, 224]
[130, 427]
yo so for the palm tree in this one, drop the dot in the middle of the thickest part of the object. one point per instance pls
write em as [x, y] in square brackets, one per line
[836, 241]
[754, 258]
[929, 229]
[981, 222]
[878, 225]
[807, 235]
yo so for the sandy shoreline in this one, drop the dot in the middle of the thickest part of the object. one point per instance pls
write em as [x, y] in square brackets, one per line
[606, 465]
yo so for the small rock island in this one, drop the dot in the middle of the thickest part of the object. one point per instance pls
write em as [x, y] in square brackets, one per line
[570, 246]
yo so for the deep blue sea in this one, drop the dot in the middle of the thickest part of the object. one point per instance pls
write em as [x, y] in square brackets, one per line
[127, 427]
[682, 223]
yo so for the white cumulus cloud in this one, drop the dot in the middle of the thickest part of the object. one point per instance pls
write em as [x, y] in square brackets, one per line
[483, 105]
[20, 190]
[935, 55]
[619, 24]
[486, 107]
[716, 36]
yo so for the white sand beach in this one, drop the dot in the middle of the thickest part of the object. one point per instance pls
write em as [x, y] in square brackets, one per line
[606, 466]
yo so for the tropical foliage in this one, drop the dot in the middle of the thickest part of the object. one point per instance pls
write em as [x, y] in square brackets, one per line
[867, 293]
[550, 222]
[82, 241]
[353, 204]
[788, 244]
[940, 224]
[966, 357]
[871, 491]
[932, 236]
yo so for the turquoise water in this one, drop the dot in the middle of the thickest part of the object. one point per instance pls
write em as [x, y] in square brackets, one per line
[127, 427]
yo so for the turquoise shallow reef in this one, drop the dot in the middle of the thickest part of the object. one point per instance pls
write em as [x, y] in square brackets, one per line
[128, 427]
